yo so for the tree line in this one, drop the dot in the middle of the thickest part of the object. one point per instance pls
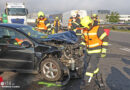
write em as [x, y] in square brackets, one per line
[113, 17]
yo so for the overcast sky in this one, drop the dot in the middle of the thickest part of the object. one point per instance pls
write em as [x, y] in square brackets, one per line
[122, 6]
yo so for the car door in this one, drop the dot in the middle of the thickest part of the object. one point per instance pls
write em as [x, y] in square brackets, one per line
[13, 55]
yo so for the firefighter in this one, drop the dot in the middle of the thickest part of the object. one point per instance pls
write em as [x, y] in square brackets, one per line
[70, 23]
[74, 21]
[76, 27]
[95, 19]
[96, 42]
[74, 24]
[43, 24]
[56, 24]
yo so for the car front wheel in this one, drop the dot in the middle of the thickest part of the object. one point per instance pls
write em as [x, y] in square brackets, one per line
[50, 69]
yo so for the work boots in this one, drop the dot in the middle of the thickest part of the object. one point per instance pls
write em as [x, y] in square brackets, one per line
[95, 84]
[99, 81]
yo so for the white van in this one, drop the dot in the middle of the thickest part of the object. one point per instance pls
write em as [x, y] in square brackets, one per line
[67, 15]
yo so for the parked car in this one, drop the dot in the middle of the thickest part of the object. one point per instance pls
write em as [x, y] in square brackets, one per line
[25, 50]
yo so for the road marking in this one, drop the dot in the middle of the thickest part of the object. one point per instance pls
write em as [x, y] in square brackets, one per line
[109, 44]
[125, 49]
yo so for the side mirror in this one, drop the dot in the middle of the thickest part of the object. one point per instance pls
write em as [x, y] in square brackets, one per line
[26, 44]
[26, 11]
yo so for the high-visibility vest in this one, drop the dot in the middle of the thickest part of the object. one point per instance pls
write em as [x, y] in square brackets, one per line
[57, 22]
[70, 23]
[91, 38]
[41, 24]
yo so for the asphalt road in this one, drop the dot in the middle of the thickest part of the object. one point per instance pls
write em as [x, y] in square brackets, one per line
[115, 69]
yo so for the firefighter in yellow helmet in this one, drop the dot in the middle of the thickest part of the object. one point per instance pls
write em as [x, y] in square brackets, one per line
[96, 19]
[56, 24]
[42, 23]
[96, 42]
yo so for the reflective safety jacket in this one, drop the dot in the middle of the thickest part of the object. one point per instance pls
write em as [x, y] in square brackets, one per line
[70, 23]
[43, 24]
[74, 23]
[57, 23]
[96, 40]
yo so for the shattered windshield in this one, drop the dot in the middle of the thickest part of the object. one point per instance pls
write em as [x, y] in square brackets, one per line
[32, 32]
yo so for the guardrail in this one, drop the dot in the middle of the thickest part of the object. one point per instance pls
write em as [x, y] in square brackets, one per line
[31, 20]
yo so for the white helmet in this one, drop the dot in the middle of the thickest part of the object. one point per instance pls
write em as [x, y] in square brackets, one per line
[73, 14]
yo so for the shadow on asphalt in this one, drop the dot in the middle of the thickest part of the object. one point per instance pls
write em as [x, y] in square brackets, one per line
[126, 61]
[127, 70]
[74, 84]
[116, 80]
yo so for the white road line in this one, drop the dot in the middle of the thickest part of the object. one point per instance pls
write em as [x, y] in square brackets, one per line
[125, 49]
[109, 44]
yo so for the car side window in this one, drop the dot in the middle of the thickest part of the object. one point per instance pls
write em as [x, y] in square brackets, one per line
[3, 35]
[11, 36]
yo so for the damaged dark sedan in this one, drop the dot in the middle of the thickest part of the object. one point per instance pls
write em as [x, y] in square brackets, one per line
[23, 49]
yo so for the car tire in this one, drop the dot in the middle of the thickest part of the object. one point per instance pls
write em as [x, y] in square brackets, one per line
[50, 69]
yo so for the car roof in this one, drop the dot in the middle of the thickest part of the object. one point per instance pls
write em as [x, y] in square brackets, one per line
[13, 25]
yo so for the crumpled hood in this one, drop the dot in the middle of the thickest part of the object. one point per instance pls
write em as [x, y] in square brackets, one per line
[68, 37]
